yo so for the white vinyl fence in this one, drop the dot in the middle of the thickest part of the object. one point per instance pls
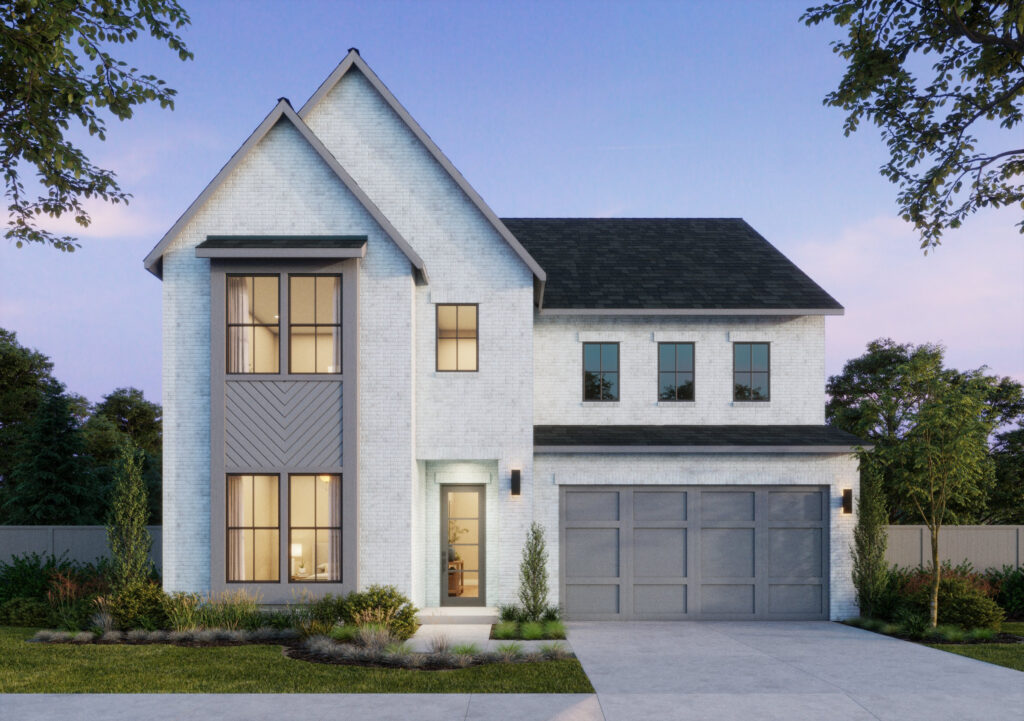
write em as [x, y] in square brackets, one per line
[76, 543]
[983, 546]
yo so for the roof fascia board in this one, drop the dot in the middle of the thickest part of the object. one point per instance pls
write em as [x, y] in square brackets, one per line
[693, 311]
[836, 450]
[292, 253]
[282, 109]
[353, 59]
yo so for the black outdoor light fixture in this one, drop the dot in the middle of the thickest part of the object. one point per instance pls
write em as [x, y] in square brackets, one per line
[516, 481]
[847, 500]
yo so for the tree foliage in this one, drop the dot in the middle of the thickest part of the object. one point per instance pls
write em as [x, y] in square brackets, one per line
[56, 68]
[870, 569]
[25, 374]
[1006, 500]
[935, 75]
[127, 536]
[879, 395]
[533, 574]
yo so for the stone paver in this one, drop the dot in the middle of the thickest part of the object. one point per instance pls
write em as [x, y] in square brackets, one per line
[785, 671]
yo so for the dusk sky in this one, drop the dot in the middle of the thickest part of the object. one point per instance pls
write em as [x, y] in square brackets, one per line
[548, 109]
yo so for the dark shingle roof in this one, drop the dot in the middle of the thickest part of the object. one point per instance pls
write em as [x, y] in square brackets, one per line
[664, 263]
[283, 241]
[706, 436]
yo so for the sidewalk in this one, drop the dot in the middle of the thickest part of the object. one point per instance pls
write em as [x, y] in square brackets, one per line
[466, 633]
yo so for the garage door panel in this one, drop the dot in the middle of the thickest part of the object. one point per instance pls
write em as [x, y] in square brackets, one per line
[659, 599]
[592, 599]
[659, 552]
[727, 552]
[794, 598]
[727, 598]
[592, 506]
[794, 552]
[592, 552]
[727, 506]
[692, 552]
[794, 506]
[659, 506]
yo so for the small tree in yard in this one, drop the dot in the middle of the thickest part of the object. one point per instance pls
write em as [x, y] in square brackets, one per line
[533, 574]
[870, 570]
[127, 536]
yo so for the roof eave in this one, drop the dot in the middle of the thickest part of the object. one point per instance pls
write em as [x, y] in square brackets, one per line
[619, 449]
[693, 311]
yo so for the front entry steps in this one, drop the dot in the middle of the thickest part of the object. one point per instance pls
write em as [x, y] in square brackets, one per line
[459, 614]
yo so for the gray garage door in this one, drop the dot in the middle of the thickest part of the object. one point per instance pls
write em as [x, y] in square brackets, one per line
[684, 552]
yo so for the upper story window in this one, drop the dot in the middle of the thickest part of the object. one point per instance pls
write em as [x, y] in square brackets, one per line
[254, 338]
[750, 371]
[600, 371]
[457, 338]
[314, 323]
[675, 371]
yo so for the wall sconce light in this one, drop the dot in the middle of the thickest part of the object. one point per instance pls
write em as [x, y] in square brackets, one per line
[847, 500]
[516, 481]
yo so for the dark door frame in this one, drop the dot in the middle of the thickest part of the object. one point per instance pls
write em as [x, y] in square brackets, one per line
[481, 599]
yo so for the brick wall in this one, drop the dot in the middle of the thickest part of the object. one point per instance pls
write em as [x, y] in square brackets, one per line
[797, 370]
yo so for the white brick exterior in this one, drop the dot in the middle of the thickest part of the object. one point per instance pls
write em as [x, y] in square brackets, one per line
[797, 370]
[416, 423]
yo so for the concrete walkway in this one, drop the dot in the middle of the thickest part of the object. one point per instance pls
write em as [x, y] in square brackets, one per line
[785, 671]
[465, 633]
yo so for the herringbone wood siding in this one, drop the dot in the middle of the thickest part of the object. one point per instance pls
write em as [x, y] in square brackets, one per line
[276, 424]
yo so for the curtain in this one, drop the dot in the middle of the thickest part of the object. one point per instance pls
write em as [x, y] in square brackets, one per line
[336, 330]
[334, 537]
[239, 304]
[236, 538]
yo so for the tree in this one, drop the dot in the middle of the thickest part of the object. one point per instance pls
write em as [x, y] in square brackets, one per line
[52, 480]
[533, 574]
[56, 67]
[934, 75]
[127, 536]
[877, 397]
[943, 458]
[1006, 499]
[24, 376]
[870, 569]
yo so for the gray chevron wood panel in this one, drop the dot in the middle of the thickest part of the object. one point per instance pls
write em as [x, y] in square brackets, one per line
[277, 424]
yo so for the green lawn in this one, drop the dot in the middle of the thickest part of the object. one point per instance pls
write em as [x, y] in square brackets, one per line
[1015, 627]
[1010, 655]
[66, 668]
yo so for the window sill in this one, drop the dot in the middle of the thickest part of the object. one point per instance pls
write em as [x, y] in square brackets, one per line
[675, 404]
[598, 403]
[748, 404]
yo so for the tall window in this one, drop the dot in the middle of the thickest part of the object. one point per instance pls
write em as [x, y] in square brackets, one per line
[314, 512]
[457, 337]
[314, 323]
[253, 529]
[600, 371]
[750, 371]
[675, 371]
[253, 324]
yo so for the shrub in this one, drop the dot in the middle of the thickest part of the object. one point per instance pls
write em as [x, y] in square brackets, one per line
[139, 605]
[440, 645]
[511, 613]
[532, 631]
[1009, 589]
[183, 611]
[28, 575]
[551, 613]
[231, 610]
[345, 634]
[981, 634]
[533, 574]
[127, 537]
[963, 600]
[506, 630]
[912, 622]
[554, 629]
[26, 612]
[870, 571]
[466, 649]
[384, 605]
[510, 651]
[554, 651]
[329, 609]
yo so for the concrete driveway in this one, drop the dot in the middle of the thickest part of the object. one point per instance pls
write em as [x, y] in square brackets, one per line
[786, 671]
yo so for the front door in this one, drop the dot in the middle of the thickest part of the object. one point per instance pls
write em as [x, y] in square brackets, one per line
[462, 546]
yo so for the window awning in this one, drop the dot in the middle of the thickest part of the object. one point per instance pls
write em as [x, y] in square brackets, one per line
[296, 247]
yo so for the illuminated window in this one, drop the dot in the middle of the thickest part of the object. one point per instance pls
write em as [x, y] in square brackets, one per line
[314, 323]
[253, 342]
[253, 528]
[457, 337]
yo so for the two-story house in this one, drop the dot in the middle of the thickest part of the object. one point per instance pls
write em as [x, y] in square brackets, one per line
[369, 378]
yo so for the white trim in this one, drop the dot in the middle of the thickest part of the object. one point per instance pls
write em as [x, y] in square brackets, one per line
[353, 59]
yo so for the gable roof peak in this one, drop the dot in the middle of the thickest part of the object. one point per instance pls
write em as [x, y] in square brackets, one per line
[354, 59]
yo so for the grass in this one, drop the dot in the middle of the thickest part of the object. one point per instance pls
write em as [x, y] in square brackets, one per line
[64, 668]
[1010, 655]
[1014, 627]
[528, 631]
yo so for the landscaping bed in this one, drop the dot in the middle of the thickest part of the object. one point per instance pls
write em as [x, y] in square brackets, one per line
[225, 667]
[528, 631]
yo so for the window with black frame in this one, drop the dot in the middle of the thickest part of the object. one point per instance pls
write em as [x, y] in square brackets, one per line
[314, 528]
[675, 371]
[253, 324]
[314, 323]
[751, 374]
[253, 528]
[600, 371]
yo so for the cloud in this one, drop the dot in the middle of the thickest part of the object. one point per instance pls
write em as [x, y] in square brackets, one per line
[109, 220]
[968, 294]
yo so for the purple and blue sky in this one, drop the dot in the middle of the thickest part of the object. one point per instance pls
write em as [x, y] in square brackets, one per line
[548, 109]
